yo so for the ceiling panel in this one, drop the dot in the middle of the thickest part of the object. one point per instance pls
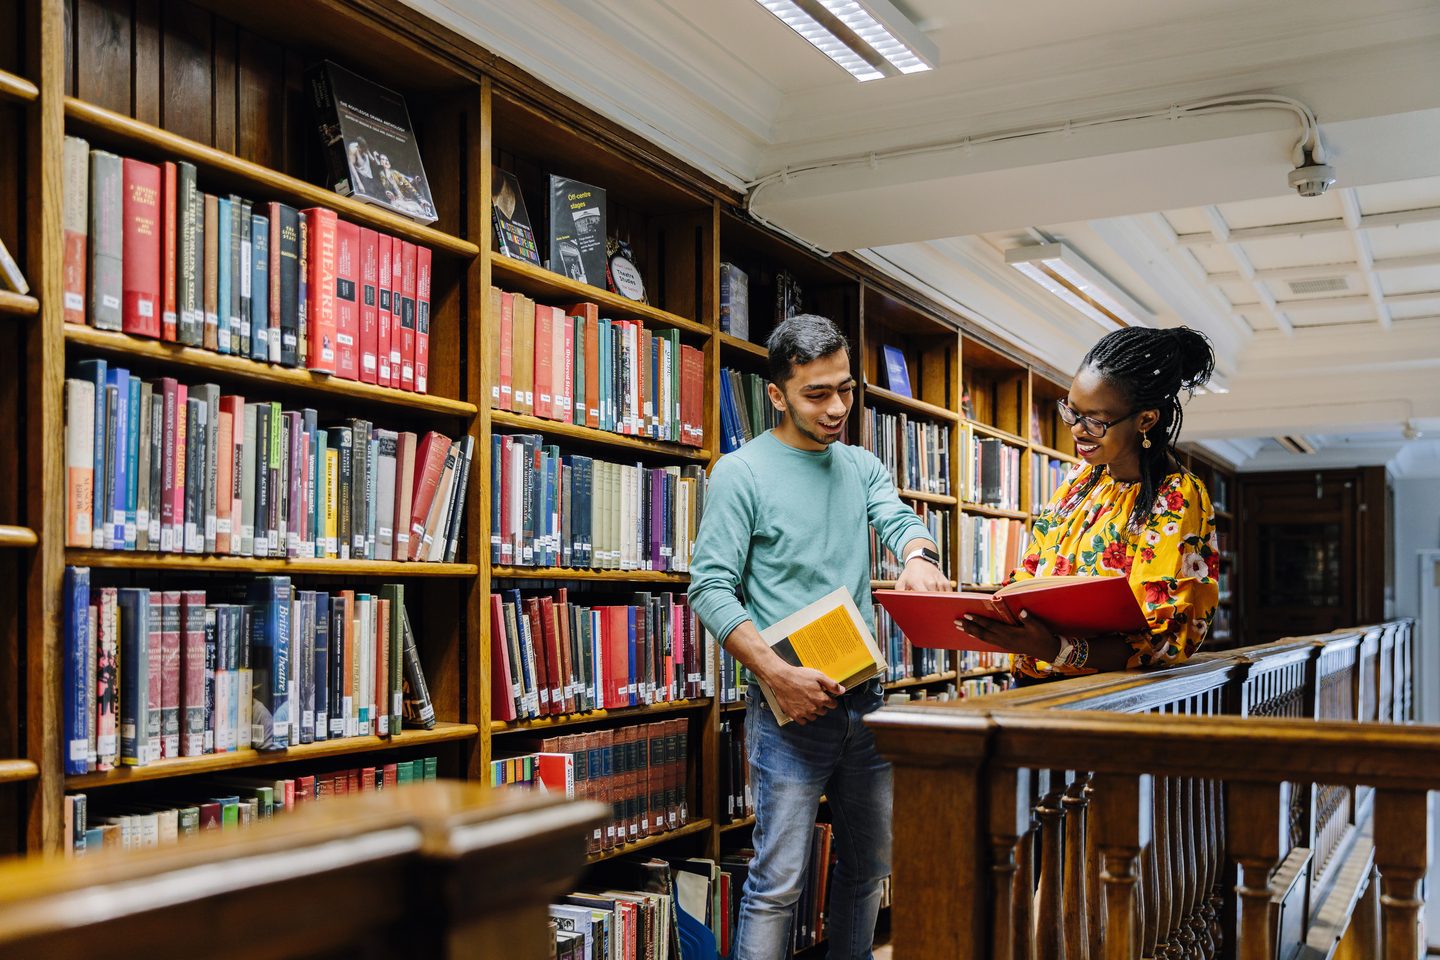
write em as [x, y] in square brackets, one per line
[1214, 258]
[1413, 280]
[1414, 311]
[1361, 312]
[1412, 238]
[1315, 248]
[1403, 195]
[1188, 221]
[1280, 209]
[1238, 292]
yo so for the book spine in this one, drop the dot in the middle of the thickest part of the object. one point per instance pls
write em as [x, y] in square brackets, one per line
[209, 251]
[321, 668]
[259, 287]
[78, 684]
[155, 506]
[245, 271]
[345, 285]
[369, 306]
[407, 315]
[225, 273]
[169, 248]
[180, 448]
[155, 648]
[107, 240]
[324, 349]
[190, 322]
[236, 262]
[270, 644]
[79, 463]
[422, 318]
[75, 220]
[284, 284]
[418, 708]
[384, 245]
[132, 464]
[192, 672]
[134, 606]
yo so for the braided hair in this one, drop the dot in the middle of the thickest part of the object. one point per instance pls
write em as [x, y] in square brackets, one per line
[1150, 368]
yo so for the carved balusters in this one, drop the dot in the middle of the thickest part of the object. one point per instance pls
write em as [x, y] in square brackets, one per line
[1215, 900]
[1077, 881]
[1010, 821]
[1049, 897]
[1164, 908]
[1183, 867]
[1252, 827]
[1123, 810]
[1025, 896]
[1092, 876]
[1401, 856]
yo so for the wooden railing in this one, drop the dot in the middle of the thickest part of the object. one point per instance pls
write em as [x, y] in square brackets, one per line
[1238, 805]
[436, 870]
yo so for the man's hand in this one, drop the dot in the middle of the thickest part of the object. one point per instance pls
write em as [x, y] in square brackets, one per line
[1031, 637]
[804, 694]
[921, 574]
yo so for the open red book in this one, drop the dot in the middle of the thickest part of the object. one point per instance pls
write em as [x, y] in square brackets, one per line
[1070, 606]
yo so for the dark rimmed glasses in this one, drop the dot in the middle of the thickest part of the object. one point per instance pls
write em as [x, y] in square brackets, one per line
[1092, 426]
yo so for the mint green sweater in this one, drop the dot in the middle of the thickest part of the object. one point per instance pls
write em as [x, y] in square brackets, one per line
[788, 526]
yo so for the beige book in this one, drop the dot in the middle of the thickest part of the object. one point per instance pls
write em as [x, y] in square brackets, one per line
[828, 635]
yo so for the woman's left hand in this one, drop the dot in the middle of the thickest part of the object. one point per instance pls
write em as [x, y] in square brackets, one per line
[1031, 637]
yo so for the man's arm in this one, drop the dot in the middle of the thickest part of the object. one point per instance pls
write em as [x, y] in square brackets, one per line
[804, 694]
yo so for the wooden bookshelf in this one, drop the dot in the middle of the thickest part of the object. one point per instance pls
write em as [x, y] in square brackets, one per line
[940, 499]
[18, 771]
[895, 401]
[1054, 454]
[176, 356]
[624, 850]
[17, 88]
[645, 711]
[537, 282]
[924, 681]
[729, 344]
[197, 563]
[17, 537]
[985, 430]
[740, 824]
[237, 759]
[18, 305]
[598, 438]
[592, 576]
[735, 706]
[982, 510]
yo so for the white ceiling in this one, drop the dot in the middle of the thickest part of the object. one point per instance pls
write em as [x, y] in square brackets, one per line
[1167, 208]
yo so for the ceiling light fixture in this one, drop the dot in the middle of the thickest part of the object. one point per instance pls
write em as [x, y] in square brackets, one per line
[870, 39]
[1071, 278]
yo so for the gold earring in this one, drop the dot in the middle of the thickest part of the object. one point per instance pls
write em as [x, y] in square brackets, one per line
[1145, 441]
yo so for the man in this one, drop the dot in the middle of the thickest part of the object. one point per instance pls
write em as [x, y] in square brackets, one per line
[787, 520]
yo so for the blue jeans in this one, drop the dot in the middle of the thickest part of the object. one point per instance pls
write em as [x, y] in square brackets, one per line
[790, 767]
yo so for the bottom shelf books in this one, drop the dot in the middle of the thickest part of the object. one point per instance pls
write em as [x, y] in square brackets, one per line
[642, 771]
[158, 674]
[906, 662]
[961, 690]
[736, 800]
[221, 803]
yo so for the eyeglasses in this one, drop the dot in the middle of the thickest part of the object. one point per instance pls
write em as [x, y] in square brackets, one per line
[1091, 426]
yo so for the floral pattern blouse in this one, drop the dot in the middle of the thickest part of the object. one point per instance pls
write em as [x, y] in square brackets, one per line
[1171, 563]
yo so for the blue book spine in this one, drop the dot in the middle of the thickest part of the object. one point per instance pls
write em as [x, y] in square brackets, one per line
[79, 688]
[586, 513]
[631, 687]
[132, 464]
[259, 287]
[322, 665]
[270, 662]
[120, 475]
[134, 603]
[225, 276]
[95, 371]
[551, 493]
[497, 474]
[604, 375]
[529, 701]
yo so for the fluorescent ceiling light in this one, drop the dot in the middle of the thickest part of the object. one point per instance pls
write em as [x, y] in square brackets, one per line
[1071, 278]
[869, 38]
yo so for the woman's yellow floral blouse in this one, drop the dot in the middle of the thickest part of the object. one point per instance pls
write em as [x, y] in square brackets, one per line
[1171, 564]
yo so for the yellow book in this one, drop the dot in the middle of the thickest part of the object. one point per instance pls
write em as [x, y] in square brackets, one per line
[828, 635]
[332, 498]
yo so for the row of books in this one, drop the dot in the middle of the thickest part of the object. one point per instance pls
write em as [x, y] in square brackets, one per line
[646, 912]
[222, 803]
[1046, 475]
[640, 770]
[162, 466]
[551, 656]
[735, 678]
[884, 565]
[950, 692]
[549, 508]
[149, 253]
[990, 549]
[968, 660]
[745, 409]
[916, 452]
[736, 799]
[904, 660]
[989, 471]
[158, 674]
[573, 366]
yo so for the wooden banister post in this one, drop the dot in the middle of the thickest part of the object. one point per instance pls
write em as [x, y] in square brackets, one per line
[1252, 827]
[1077, 879]
[1402, 848]
[1123, 808]
[1049, 920]
[1010, 819]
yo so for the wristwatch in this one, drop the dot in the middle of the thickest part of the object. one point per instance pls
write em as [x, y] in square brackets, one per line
[925, 553]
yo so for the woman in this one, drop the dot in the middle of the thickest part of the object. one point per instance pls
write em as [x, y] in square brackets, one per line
[1129, 510]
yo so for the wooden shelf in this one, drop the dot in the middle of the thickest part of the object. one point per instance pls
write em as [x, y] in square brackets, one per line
[981, 672]
[117, 344]
[735, 344]
[882, 584]
[237, 759]
[136, 560]
[909, 405]
[985, 430]
[943, 499]
[17, 537]
[500, 727]
[18, 305]
[518, 421]
[1052, 453]
[920, 681]
[18, 771]
[17, 88]
[689, 829]
[984, 511]
[734, 706]
[596, 576]
[116, 129]
[738, 824]
[534, 281]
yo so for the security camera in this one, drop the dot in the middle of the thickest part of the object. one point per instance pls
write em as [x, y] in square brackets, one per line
[1312, 179]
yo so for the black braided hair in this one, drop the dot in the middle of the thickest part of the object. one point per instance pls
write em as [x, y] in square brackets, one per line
[1150, 368]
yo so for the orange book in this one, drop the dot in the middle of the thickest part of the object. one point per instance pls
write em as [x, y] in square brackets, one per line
[1070, 606]
[590, 312]
[523, 332]
[505, 372]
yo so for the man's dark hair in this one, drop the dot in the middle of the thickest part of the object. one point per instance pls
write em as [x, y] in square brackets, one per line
[801, 339]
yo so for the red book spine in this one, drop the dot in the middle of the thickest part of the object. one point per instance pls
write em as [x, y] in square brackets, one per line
[369, 306]
[507, 351]
[192, 673]
[502, 694]
[347, 303]
[385, 372]
[544, 362]
[617, 657]
[507, 494]
[394, 288]
[224, 480]
[169, 255]
[422, 319]
[407, 315]
[592, 368]
[567, 368]
[170, 662]
[321, 335]
[429, 464]
[140, 293]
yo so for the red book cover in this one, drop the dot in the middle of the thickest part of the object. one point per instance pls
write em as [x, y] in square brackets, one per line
[407, 315]
[369, 306]
[143, 218]
[592, 368]
[304, 789]
[192, 672]
[544, 362]
[540, 652]
[367, 779]
[567, 368]
[169, 252]
[506, 375]
[347, 303]
[1069, 606]
[560, 698]
[502, 693]
[556, 773]
[273, 340]
[323, 350]
[224, 476]
[390, 776]
[170, 666]
[429, 464]
[210, 815]
[507, 494]
[617, 659]
[422, 319]
[384, 372]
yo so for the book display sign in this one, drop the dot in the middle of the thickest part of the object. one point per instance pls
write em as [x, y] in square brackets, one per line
[514, 236]
[577, 230]
[369, 142]
[897, 374]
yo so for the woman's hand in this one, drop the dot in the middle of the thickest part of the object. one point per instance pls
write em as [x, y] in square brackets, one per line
[1031, 637]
